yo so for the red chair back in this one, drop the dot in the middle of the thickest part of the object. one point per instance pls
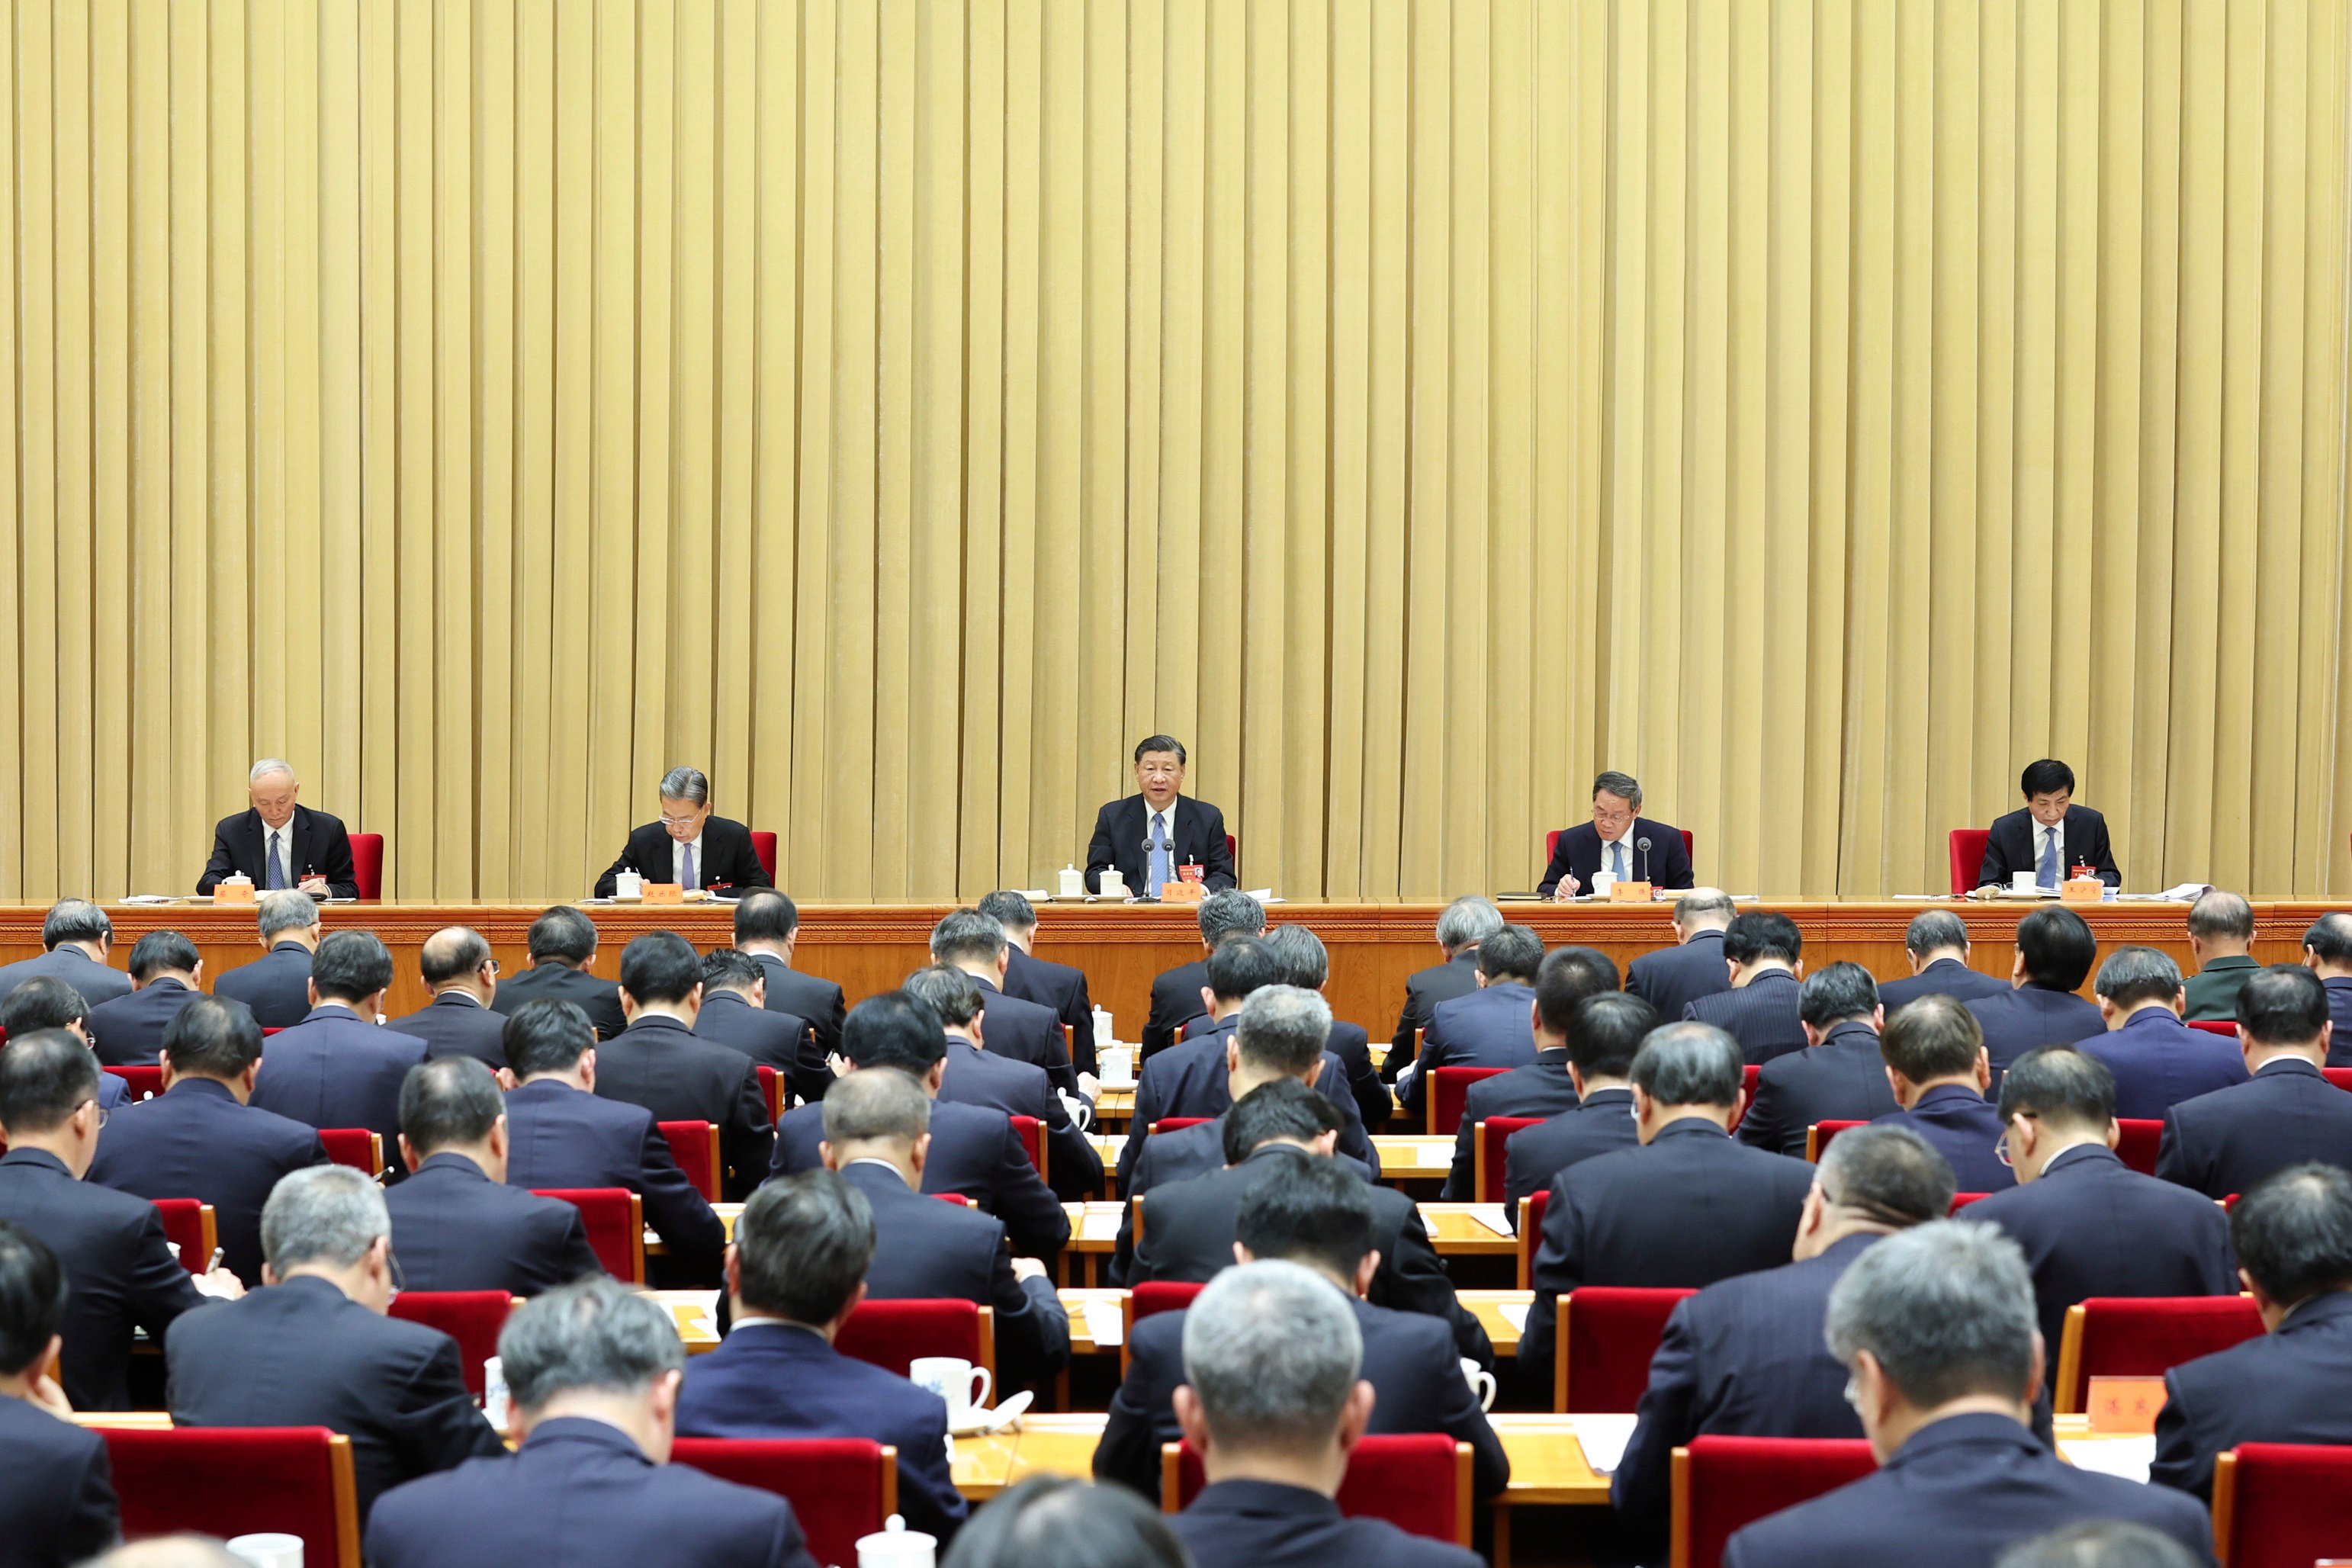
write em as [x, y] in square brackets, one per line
[1531, 1217]
[139, 1083]
[1153, 1297]
[1418, 1481]
[763, 845]
[957, 1198]
[1723, 1483]
[615, 1220]
[1551, 846]
[1748, 1077]
[228, 1481]
[1492, 1157]
[358, 1147]
[1968, 850]
[273, 1029]
[2136, 1142]
[367, 864]
[695, 1146]
[472, 1318]
[2145, 1336]
[1449, 1089]
[1818, 1136]
[189, 1225]
[771, 1090]
[1609, 1334]
[2215, 1026]
[1233, 849]
[1178, 1123]
[2340, 1077]
[894, 1335]
[1031, 1133]
[840, 1488]
[2282, 1505]
[1962, 1200]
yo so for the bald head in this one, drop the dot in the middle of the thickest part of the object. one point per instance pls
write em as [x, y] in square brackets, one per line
[2220, 925]
[456, 958]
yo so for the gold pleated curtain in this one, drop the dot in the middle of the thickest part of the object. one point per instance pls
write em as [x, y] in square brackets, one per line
[898, 407]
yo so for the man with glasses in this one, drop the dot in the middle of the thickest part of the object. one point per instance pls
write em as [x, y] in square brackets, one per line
[688, 845]
[1612, 842]
[464, 978]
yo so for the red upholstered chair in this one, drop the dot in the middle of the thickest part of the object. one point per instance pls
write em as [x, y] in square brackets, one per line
[273, 1029]
[139, 1083]
[2145, 1336]
[1531, 1216]
[358, 1147]
[1967, 848]
[1233, 849]
[2136, 1142]
[763, 845]
[239, 1481]
[695, 1146]
[1031, 1133]
[956, 1198]
[1489, 1151]
[472, 1318]
[1962, 1200]
[1818, 1136]
[1420, 1482]
[1748, 1076]
[840, 1488]
[1149, 1299]
[189, 1225]
[2282, 1505]
[894, 1335]
[1178, 1123]
[1449, 1087]
[1610, 1333]
[2215, 1026]
[771, 1090]
[615, 1220]
[2340, 1077]
[367, 864]
[1722, 1484]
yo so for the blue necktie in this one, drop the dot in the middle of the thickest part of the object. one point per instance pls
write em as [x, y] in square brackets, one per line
[687, 879]
[1157, 877]
[277, 867]
[1620, 847]
[2048, 874]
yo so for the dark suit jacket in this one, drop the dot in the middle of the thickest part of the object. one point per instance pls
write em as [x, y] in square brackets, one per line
[2227, 1140]
[277, 985]
[2339, 1012]
[600, 999]
[805, 995]
[1540, 1088]
[129, 1031]
[119, 1273]
[2159, 1061]
[337, 1069]
[724, 861]
[557, 1137]
[981, 1078]
[2009, 847]
[1490, 1027]
[1844, 1079]
[1353, 1044]
[194, 1141]
[1945, 977]
[97, 982]
[769, 1380]
[1264, 1524]
[1423, 990]
[657, 1063]
[320, 846]
[1958, 1493]
[453, 1228]
[580, 1493]
[1062, 988]
[1026, 1032]
[1534, 1157]
[2025, 1019]
[1672, 978]
[974, 1152]
[1688, 1208]
[1192, 1080]
[2292, 1386]
[1175, 1002]
[304, 1354]
[1123, 826]
[2091, 1227]
[57, 1490]
[1408, 1360]
[1962, 1126]
[2214, 990]
[1578, 853]
[780, 1040]
[454, 1025]
[1761, 1016]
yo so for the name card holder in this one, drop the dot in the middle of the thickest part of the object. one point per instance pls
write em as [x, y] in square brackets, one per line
[1628, 892]
[664, 892]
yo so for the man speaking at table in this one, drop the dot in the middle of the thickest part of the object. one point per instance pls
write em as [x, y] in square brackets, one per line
[688, 845]
[1618, 840]
[2050, 835]
[1151, 836]
[280, 844]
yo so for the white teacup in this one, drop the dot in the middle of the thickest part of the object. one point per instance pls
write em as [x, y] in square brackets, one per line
[1601, 882]
[964, 1387]
[2023, 882]
[1118, 1065]
[896, 1546]
[628, 885]
[1482, 1382]
[1081, 1113]
[270, 1550]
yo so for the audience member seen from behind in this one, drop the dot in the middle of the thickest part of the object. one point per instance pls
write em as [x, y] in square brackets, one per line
[168, 973]
[1054, 1521]
[57, 1490]
[2227, 1140]
[2159, 1061]
[46, 1004]
[2222, 940]
[1935, 1064]
[2328, 951]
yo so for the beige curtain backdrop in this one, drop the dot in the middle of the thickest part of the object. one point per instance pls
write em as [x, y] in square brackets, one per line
[898, 407]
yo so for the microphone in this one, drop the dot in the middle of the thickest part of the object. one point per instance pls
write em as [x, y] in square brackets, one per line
[1643, 844]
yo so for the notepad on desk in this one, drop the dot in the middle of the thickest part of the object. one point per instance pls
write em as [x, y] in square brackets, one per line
[2130, 1458]
[1603, 1437]
[1515, 1314]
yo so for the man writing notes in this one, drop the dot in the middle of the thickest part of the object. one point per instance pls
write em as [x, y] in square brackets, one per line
[1612, 842]
[1150, 836]
[280, 844]
[2050, 837]
[688, 845]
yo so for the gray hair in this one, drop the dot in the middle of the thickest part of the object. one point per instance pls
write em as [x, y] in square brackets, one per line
[1835, 993]
[266, 766]
[1285, 1028]
[1306, 962]
[1467, 920]
[595, 1334]
[287, 908]
[1272, 1351]
[322, 1213]
[2216, 913]
[968, 935]
[1947, 1309]
[688, 784]
[1704, 907]
[1934, 930]
[2137, 974]
[1229, 911]
[1010, 908]
[1625, 786]
[2099, 1543]
[77, 920]
[1689, 1064]
[881, 1103]
[1890, 1174]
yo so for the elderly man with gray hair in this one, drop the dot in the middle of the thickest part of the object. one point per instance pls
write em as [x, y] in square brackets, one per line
[594, 1372]
[688, 845]
[2222, 940]
[314, 1348]
[76, 937]
[1936, 945]
[277, 985]
[2159, 1061]
[278, 843]
[1461, 927]
[1936, 1328]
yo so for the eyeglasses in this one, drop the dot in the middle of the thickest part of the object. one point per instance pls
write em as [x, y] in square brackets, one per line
[2000, 1144]
[1853, 1393]
[669, 821]
[102, 1110]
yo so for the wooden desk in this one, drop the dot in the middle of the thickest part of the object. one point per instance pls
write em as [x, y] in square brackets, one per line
[1454, 1229]
[1405, 1156]
[1488, 1305]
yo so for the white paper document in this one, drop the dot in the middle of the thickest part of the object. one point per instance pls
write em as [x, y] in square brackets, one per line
[1603, 1439]
[1106, 1325]
[2126, 1457]
[1494, 1217]
[1515, 1314]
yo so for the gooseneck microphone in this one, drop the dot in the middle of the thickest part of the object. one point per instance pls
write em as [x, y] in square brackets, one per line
[1643, 844]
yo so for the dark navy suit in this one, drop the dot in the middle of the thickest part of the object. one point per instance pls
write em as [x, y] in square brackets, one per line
[1025, 1032]
[974, 1152]
[1122, 835]
[1353, 1044]
[336, 1069]
[780, 1040]
[96, 982]
[455, 1025]
[724, 857]
[1761, 1016]
[128, 1032]
[805, 995]
[2030, 1016]
[2009, 847]
[1579, 852]
[2159, 1061]
[1423, 990]
[1534, 1157]
[57, 1490]
[316, 844]
[1844, 1079]
[1264, 1524]
[559, 1137]
[580, 1493]
[2290, 1385]
[769, 1380]
[1175, 1001]
[1491, 1028]
[1962, 1126]
[1674, 978]
[1540, 1088]
[194, 1141]
[277, 985]
[2339, 1012]
[1945, 977]
[1061, 987]
[1191, 1079]
[453, 1228]
[2227, 1140]
[976, 1077]
[600, 999]
[657, 1063]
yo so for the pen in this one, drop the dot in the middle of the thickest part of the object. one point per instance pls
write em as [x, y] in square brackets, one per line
[218, 1255]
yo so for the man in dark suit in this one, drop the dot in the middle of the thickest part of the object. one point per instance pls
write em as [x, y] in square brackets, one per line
[1838, 1077]
[1764, 954]
[1744, 1357]
[795, 1273]
[2159, 1061]
[1612, 844]
[1674, 978]
[735, 1014]
[1022, 1031]
[1937, 944]
[1466, 923]
[168, 975]
[766, 927]
[1060, 987]
[2050, 837]
[594, 1371]
[337, 1067]
[2293, 1235]
[2227, 1140]
[279, 844]
[974, 1149]
[46, 1004]
[561, 1133]
[277, 985]
[1301, 960]
[1603, 1035]
[77, 937]
[333, 1359]
[1272, 1402]
[1936, 1065]
[459, 970]
[1690, 1206]
[2089, 1225]
[1492, 1027]
[974, 1075]
[57, 1488]
[1936, 1325]
[688, 845]
[656, 1062]
[1320, 1216]
[2055, 951]
[202, 1138]
[2328, 951]
[1156, 836]
[1176, 993]
[563, 943]
[1544, 1087]
[2222, 940]
[455, 1224]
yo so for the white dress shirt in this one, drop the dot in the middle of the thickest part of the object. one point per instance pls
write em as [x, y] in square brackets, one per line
[1633, 857]
[677, 861]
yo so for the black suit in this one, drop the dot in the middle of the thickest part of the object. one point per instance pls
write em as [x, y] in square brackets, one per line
[454, 1025]
[1534, 1157]
[1688, 1208]
[779, 1040]
[600, 999]
[1407, 1359]
[337, 1069]
[2292, 1384]
[1175, 1002]
[1761, 1016]
[2159, 1061]
[128, 1032]
[1541, 1089]
[1945, 977]
[2339, 1012]
[974, 1152]
[304, 1354]
[2031, 1016]
[1192, 1080]
[1423, 990]
[1962, 1126]
[1844, 1079]
[277, 985]
[119, 1273]
[557, 1137]
[2227, 1140]
[96, 982]
[320, 847]
[975, 1076]
[1491, 1028]
[453, 1228]
[1579, 854]
[1674, 978]
[2009, 847]
[724, 861]
[1353, 1044]
[1025, 1032]
[1122, 829]
[57, 1490]
[194, 1141]
[1264, 1524]
[805, 995]
[1061, 987]
[657, 1063]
